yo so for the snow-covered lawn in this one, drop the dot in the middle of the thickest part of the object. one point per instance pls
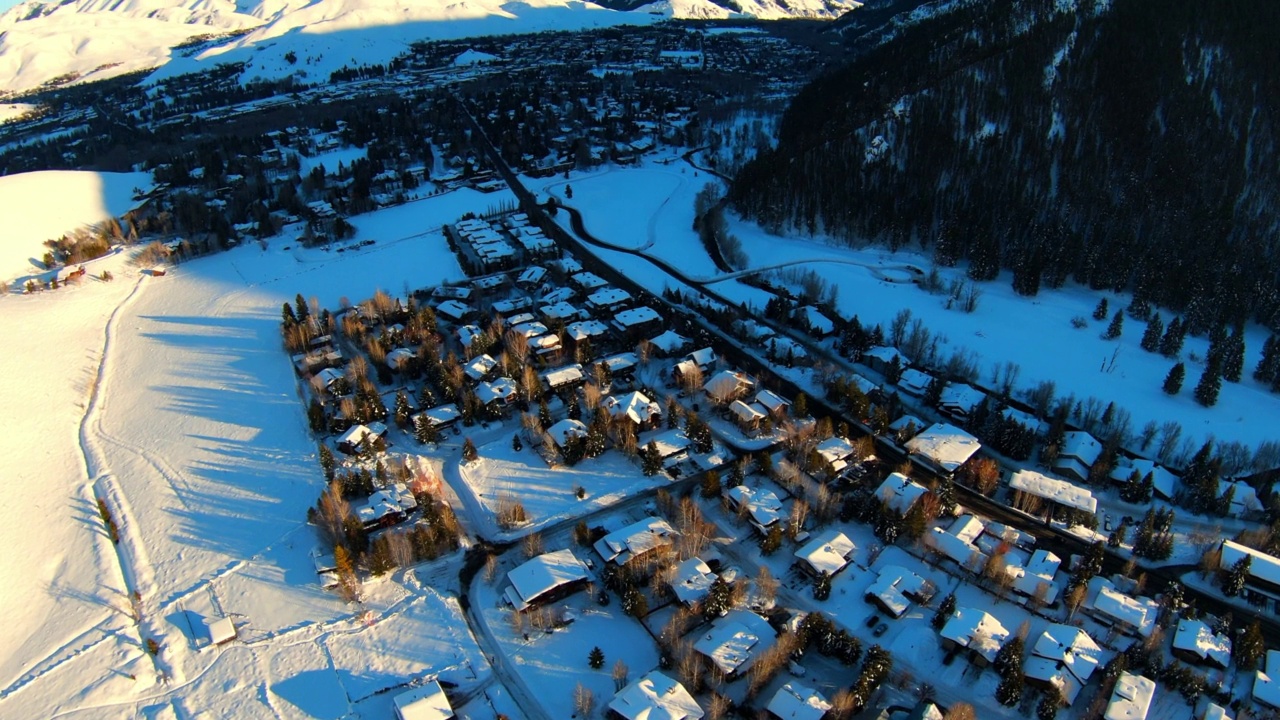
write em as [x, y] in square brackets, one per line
[46, 205]
[548, 493]
[197, 432]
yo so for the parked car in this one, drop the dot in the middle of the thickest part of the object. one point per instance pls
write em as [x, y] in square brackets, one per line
[881, 629]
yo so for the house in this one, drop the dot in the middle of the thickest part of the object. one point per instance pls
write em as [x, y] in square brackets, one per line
[545, 347]
[835, 453]
[654, 696]
[531, 278]
[1063, 657]
[637, 322]
[899, 493]
[497, 394]
[705, 359]
[829, 553]
[775, 405]
[564, 378]
[1244, 498]
[219, 630]
[1106, 604]
[957, 542]
[1055, 492]
[1262, 587]
[530, 330]
[565, 430]
[1131, 698]
[895, 588]
[944, 447]
[747, 417]
[914, 382]
[734, 641]
[454, 311]
[586, 330]
[587, 281]
[761, 505]
[728, 385]
[691, 580]
[673, 446]
[1163, 482]
[794, 701]
[636, 407]
[1215, 711]
[426, 702]
[400, 357]
[353, 440]
[1035, 579]
[1194, 642]
[959, 400]
[386, 507]
[669, 343]
[1078, 454]
[439, 417]
[622, 546]
[544, 579]
[512, 308]
[1266, 682]
[467, 334]
[480, 367]
[976, 631]
[881, 357]
[621, 366]
[609, 300]
[818, 323]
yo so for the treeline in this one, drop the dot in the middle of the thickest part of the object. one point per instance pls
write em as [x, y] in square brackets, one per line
[1128, 148]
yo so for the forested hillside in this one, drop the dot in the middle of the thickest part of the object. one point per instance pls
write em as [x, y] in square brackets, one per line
[1126, 145]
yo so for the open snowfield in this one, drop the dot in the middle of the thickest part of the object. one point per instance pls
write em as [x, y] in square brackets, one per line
[650, 208]
[46, 205]
[193, 430]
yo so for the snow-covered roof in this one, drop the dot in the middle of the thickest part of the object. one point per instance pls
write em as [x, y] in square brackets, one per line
[1131, 699]
[1266, 682]
[543, 343]
[1054, 490]
[1036, 577]
[944, 445]
[565, 429]
[828, 552]
[426, 702]
[794, 701]
[771, 401]
[532, 275]
[586, 329]
[1196, 637]
[670, 342]
[563, 375]
[452, 309]
[635, 406]
[977, 630]
[892, 586]
[1080, 445]
[967, 528]
[220, 630]
[588, 280]
[398, 356]
[735, 640]
[963, 553]
[835, 450]
[468, 333]
[691, 580]
[703, 357]
[1263, 566]
[1243, 496]
[655, 697]
[727, 384]
[900, 492]
[503, 388]
[440, 415]
[638, 538]
[960, 398]
[907, 420]
[357, 433]
[914, 382]
[762, 504]
[608, 297]
[747, 413]
[1065, 656]
[636, 316]
[478, 367]
[1121, 608]
[1216, 712]
[530, 329]
[542, 574]
[621, 362]
[818, 321]
[885, 354]
[670, 442]
[558, 295]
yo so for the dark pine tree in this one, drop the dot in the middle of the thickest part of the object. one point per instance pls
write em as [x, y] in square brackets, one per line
[1233, 356]
[1210, 385]
[1174, 335]
[1269, 365]
[1116, 327]
[1100, 312]
[1151, 336]
[1173, 381]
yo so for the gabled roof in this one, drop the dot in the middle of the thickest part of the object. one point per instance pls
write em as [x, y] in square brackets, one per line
[1266, 682]
[977, 630]
[728, 383]
[762, 504]
[1194, 636]
[563, 430]
[836, 451]
[1054, 490]
[691, 580]
[746, 413]
[635, 406]
[638, 538]
[670, 342]
[1080, 445]
[735, 640]
[479, 367]
[503, 388]
[794, 701]
[900, 492]
[945, 445]
[542, 574]
[892, 586]
[655, 697]
[828, 552]
[1065, 656]
[636, 316]
[1263, 566]
[771, 401]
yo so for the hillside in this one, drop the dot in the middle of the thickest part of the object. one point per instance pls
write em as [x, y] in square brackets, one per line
[1125, 146]
[51, 43]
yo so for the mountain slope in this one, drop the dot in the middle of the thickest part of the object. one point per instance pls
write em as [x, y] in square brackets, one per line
[1123, 145]
[80, 40]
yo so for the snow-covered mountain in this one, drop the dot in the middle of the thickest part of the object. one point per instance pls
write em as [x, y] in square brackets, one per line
[80, 40]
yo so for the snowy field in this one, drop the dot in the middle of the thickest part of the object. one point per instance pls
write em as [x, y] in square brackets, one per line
[193, 430]
[871, 284]
[46, 205]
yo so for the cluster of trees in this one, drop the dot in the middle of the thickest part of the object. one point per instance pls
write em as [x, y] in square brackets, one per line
[980, 119]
